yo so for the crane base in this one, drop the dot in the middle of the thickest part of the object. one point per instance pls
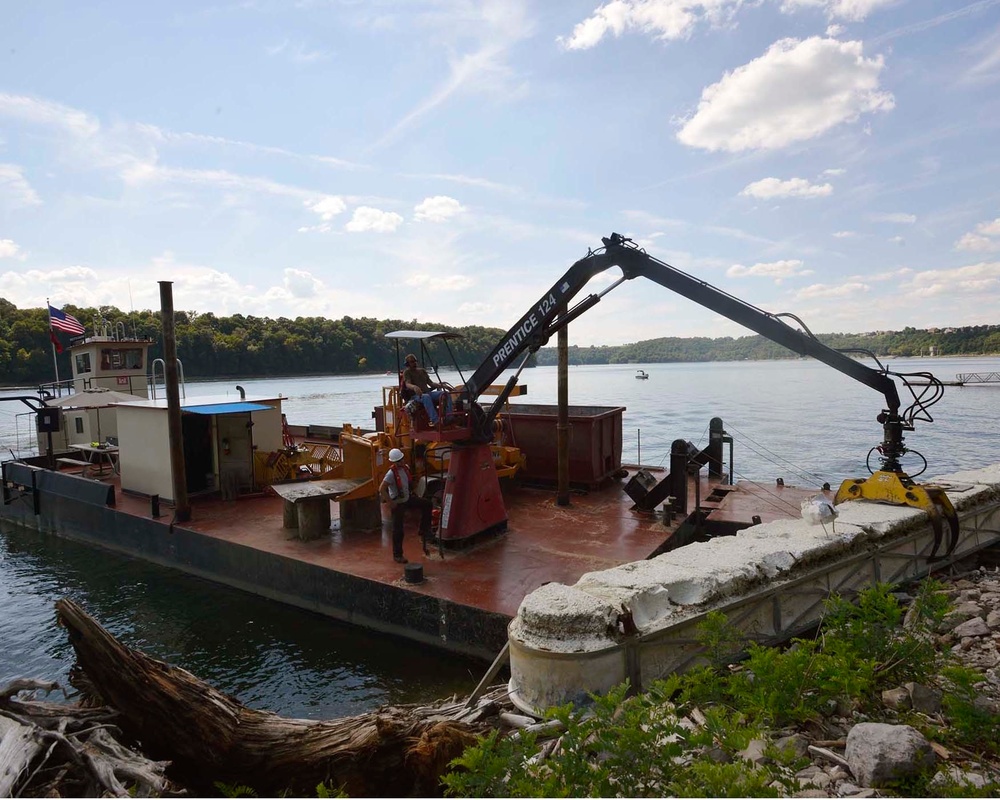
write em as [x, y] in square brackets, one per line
[472, 502]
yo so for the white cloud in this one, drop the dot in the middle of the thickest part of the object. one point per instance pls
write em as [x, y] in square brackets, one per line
[833, 173]
[137, 173]
[328, 207]
[662, 19]
[496, 28]
[844, 234]
[779, 270]
[796, 91]
[43, 112]
[296, 52]
[972, 279]
[465, 180]
[366, 218]
[198, 286]
[888, 275]
[162, 136]
[897, 239]
[989, 228]
[476, 309]
[9, 249]
[985, 238]
[15, 189]
[34, 284]
[898, 218]
[820, 290]
[444, 283]
[770, 188]
[977, 244]
[849, 10]
[294, 291]
[437, 209]
[300, 283]
[987, 68]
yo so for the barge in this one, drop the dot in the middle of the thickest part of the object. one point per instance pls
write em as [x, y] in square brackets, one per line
[587, 571]
[468, 595]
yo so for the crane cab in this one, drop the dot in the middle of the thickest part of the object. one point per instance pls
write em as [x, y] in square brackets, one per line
[454, 454]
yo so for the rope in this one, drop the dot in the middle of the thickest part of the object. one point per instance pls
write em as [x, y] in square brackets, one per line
[774, 458]
[779, 503]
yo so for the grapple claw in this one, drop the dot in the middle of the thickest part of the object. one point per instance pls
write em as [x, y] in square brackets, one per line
[896, 488]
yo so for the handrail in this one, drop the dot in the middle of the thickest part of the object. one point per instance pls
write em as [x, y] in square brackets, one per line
[163, 365]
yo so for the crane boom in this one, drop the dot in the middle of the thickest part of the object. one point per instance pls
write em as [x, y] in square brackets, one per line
[552, 311]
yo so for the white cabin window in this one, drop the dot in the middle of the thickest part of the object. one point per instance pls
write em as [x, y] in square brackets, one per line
[121, 358]
[82, 363]
[79, 424]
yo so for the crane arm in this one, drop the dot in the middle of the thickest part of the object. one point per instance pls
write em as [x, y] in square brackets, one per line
[552, 311]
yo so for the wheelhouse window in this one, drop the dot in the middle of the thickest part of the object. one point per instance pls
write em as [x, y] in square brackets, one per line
[82, 363]
[121, 358]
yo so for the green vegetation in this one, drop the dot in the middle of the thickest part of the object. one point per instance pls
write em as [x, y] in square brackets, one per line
[647, 745]
[240, 345]
[229, 790]
[212, 346]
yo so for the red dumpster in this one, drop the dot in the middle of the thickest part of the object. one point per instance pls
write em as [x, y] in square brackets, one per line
[595, 441]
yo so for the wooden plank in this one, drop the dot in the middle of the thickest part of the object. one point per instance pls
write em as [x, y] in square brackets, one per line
[297, 492]
[503, 657]
[494, 389]
[76, 462]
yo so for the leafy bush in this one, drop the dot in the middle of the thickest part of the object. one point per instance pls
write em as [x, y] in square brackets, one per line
[646, 745]
[621, 747]
[970, 725]
[872, 630]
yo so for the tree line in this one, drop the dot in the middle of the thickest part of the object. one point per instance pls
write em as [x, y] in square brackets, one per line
[972, 340]
[238, 345]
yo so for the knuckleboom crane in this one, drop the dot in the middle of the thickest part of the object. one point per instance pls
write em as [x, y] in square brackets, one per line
[889, 484]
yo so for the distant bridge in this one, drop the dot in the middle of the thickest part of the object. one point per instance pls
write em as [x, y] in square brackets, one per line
[965, 378]
[977, 377]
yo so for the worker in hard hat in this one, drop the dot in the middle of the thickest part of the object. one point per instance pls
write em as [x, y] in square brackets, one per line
[396, 491]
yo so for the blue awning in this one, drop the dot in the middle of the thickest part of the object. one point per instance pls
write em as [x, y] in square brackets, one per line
[226, 408]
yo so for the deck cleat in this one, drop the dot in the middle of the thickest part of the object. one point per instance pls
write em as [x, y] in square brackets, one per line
[896, 488]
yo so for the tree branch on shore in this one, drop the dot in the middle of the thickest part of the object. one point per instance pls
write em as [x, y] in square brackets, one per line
[209, 736]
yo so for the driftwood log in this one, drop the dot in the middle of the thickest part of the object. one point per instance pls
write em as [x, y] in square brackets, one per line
[211, 737]
[58, 750]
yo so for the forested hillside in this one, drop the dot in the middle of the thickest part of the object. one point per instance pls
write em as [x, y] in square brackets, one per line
[239, 346]
[213, 346]
[975, 340]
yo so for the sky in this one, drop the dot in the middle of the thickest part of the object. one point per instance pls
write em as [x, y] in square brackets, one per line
[446, 161]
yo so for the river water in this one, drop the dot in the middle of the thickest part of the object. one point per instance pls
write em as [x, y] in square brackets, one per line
[798, 420]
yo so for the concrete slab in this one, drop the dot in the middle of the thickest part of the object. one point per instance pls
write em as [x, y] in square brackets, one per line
[638, 621]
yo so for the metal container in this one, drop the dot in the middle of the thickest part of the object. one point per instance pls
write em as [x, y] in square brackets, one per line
[595, 441]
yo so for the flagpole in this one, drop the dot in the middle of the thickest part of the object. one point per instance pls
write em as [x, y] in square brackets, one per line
[52, 337]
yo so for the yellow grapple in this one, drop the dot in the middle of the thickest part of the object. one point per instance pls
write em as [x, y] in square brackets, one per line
[897, 488]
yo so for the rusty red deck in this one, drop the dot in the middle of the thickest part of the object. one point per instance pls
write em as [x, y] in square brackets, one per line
[545, 542]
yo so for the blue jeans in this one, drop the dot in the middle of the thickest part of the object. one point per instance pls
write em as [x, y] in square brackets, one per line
[429, 399]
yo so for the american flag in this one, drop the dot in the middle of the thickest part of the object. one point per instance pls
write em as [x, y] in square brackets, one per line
[62, 321]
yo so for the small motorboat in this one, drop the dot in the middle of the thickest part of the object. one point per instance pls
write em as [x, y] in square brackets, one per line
[641, 374]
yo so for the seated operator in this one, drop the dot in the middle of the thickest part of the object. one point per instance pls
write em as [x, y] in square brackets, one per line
[426, 391]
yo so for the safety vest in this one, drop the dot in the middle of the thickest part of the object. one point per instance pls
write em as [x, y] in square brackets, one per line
[401, 473]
